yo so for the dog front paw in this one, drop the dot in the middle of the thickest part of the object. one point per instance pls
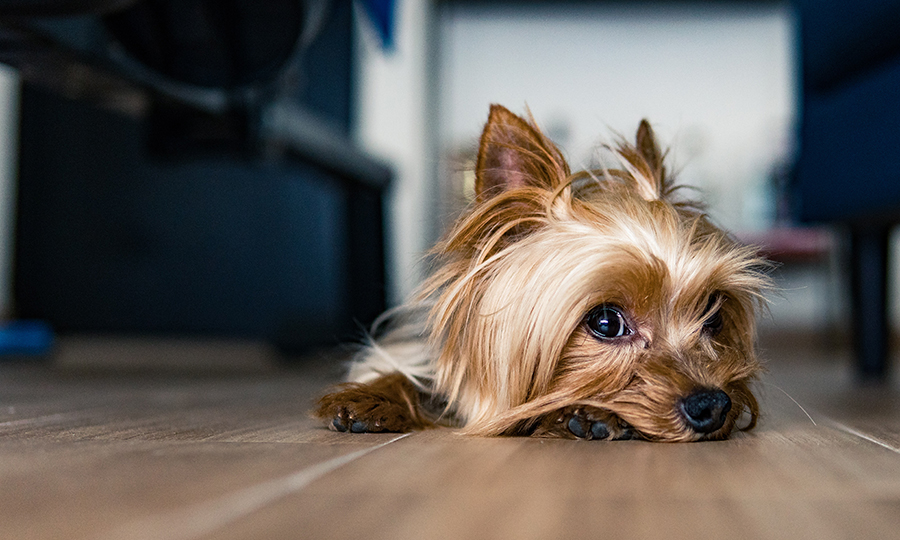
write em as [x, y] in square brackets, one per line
[346, 420]
[366, 415]
[390, 403]
[584, 422]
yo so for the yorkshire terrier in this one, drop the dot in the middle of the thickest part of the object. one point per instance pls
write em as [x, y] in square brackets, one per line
[593, 305]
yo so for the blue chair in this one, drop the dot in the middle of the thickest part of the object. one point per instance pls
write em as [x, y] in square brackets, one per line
[848, 168]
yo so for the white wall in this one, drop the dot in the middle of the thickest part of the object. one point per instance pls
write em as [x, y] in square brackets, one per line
[716, 82]
[394, 122]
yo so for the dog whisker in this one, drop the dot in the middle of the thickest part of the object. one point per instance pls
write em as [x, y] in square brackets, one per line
[790, 397]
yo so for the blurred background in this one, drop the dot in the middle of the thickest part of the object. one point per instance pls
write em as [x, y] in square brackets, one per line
[276, 172]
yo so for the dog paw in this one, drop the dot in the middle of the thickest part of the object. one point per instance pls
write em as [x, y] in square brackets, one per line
[369, 418]
[583, 422]
[389, 404]
[344, 420]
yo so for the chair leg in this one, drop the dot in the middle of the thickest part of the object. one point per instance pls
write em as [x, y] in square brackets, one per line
[869, 248]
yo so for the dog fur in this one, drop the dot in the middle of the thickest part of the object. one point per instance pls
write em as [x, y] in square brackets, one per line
[513, 332]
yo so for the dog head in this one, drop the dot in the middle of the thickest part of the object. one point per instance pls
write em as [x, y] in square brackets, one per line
[600, 288]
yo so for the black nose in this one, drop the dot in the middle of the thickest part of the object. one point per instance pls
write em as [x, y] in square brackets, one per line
[706, 410]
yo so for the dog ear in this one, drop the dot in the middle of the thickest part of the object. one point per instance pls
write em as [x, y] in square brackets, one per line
[647, 160]
[654, 158]
[512, 154]
[649, 148]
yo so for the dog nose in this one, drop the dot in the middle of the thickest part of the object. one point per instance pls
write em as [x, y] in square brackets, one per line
[706, 410]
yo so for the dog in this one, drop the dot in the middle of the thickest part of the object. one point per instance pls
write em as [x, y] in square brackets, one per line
[592, 305]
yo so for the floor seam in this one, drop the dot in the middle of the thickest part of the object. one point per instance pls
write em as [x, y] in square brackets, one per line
[856, 433]
[209, 516]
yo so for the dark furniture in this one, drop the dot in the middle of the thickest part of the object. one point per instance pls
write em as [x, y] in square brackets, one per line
[848, 168]
[186, 169]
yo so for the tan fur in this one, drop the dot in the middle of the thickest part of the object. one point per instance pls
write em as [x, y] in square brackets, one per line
[505, 344]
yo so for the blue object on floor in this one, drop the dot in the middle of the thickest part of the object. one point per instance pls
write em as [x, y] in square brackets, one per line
[25, 338]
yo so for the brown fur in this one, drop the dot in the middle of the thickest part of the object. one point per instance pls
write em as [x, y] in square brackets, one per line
[506, 345]
[391, 403]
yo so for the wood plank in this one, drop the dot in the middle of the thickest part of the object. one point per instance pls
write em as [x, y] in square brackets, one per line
[815, 482]
[84, 454]
[92, 490]
[118, 455]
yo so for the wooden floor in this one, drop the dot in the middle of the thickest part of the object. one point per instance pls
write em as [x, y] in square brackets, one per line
[91, 450]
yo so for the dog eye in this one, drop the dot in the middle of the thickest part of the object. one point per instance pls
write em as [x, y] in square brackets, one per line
[713, 322]
[607, 322]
